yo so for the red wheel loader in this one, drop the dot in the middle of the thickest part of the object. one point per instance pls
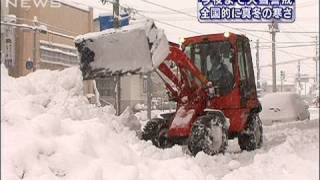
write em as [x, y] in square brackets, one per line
[211, 78]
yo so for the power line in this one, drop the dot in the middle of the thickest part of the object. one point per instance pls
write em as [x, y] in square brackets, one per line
[159, 21]
[180, 12]
[300, 32]
[138, 12]
[287, 62]
[168, 8]
[293, 54]
[189, 15]
[162, 12]
[255, 30]
[265, 31]
[193, 16]
[290, 42]
[178, 27]
[171, 25]
[238, 29]
[293, 46]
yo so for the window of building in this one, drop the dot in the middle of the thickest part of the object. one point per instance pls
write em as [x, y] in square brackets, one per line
[58, 54]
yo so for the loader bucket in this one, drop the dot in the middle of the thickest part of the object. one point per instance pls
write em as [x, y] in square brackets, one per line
[134, 49]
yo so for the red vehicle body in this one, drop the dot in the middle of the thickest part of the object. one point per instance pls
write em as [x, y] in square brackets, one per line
[191, 87]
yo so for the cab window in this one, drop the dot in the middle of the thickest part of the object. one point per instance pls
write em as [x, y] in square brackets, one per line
[214, 59]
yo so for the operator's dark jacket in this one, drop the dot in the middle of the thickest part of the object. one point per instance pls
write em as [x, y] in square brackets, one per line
[221, 77]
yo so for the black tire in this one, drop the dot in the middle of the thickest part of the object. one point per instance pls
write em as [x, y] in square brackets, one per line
[252, 137]
[156, 130]
[209, 134]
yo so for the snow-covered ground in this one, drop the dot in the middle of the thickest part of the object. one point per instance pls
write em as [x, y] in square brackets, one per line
[50, 131]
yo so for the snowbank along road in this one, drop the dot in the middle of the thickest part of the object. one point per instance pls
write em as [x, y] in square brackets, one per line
[49, 131]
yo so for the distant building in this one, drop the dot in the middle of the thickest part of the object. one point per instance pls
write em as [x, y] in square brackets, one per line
[266, 87]
[52, 51]
[4, 12]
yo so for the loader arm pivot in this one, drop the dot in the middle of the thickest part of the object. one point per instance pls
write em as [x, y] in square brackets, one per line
[183, 85]
[182, 60]
[189, 91]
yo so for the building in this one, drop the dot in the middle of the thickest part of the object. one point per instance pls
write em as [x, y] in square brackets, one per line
[41, 49]
[4, 13]
[57, 51]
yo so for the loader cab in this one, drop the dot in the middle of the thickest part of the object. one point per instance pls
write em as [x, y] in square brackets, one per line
[215, 59]
[224, 60]
[237, 95]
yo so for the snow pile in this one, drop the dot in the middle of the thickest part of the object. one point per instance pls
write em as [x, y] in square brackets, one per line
[140, 107]
[142, 116]
[296, 158]
[49, 131]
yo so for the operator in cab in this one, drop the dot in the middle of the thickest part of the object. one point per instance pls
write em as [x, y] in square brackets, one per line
[218, 72]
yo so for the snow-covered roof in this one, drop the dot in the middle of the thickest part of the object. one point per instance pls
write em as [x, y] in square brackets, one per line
[105, 14]
[74, 4]
[57, 44]
[58, 51]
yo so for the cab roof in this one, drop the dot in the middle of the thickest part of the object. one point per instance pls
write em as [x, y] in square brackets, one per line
[210, 38]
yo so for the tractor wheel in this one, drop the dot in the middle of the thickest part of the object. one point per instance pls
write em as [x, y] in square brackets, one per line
[252, 137]
[156, 130]
[209, 134]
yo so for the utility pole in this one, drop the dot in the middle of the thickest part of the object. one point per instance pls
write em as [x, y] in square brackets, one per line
[34, 50]
[273, 27]
[282, 77]
[281, 85]
[317, 59]
[299, 78]
[305, 88]
[257, 64]
[116, 14]
[116, 25]
[149, 95]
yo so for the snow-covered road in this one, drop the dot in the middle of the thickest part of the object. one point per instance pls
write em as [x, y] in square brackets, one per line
[290, 151]
[50, 132]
